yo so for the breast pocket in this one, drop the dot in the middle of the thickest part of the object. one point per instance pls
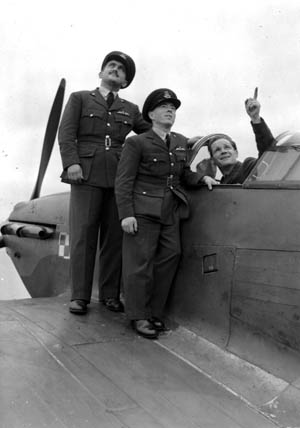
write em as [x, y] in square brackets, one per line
[156, 164]
[92, 121]
[124, 125]
[181, 159]
[181, 156]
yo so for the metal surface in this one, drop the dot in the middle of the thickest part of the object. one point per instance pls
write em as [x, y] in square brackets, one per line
[249, 302]
[61, 370]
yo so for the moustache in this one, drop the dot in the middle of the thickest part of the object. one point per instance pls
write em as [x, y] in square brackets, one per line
[115, 73]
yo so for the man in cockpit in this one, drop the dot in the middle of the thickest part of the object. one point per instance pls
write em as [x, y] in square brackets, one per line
[224, 154]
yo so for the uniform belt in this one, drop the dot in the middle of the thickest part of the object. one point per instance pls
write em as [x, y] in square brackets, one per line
[170, 181]
[104, 142]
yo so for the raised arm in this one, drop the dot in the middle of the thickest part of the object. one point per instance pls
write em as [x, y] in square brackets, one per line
[263, 136]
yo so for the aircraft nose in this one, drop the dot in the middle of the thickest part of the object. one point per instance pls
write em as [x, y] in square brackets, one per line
[2, 243]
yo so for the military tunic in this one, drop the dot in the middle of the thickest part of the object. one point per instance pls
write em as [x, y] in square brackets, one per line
[92, 135]
[149, 186]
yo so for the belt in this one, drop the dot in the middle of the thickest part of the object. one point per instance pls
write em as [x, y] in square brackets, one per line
[170, 181]
[103, 142]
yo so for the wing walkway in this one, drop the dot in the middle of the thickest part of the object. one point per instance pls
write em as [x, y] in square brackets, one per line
[60, 370]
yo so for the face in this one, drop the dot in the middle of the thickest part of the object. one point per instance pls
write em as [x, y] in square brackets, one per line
[164, 114]
[114, 73]
[223, 153]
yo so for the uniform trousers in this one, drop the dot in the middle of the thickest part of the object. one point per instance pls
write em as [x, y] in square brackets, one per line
[93, 209]
[150, 261]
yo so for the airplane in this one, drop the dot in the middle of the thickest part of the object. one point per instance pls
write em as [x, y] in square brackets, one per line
[238, 282]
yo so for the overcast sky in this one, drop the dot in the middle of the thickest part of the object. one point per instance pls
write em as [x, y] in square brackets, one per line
[211, 53]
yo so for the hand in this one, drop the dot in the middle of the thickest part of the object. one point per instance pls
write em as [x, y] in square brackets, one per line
[253, 108]
[129, 225]
[74, 173]
[207, 167]
[209, 181]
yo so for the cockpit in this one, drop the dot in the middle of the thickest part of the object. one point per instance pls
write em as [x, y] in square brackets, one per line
[277, 167]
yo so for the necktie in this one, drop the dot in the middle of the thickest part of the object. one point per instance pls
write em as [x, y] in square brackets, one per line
[168, 140]
[110, 99]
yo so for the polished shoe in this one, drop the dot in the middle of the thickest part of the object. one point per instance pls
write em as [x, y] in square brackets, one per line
[113, 304]
[78, 307]
[158, 324]
[144, 328]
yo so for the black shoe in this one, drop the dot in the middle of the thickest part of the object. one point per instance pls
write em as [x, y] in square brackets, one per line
[113, 304]
[158, 324]
[78, 307]
[144, 328]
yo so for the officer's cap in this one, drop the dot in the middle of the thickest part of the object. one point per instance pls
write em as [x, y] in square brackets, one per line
[157, 97]
[126, 60]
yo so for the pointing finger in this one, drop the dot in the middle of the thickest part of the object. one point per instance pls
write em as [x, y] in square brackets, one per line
[255, 93]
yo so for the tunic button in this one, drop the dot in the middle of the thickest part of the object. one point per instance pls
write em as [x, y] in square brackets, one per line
[108, 124]
[154, 160]
[171, 154]
[125, 121]
[106, 148]
[109, 112]
[172, 163]
[144, 193]
[91, 115]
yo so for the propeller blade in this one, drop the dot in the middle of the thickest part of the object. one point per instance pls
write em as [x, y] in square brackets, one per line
[50, 136]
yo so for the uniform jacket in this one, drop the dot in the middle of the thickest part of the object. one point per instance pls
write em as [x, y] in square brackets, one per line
[264, 140]
[92, 135]
[148, 170]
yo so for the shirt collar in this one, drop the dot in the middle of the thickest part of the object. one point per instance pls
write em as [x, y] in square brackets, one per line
[104, 92]
[160, 133]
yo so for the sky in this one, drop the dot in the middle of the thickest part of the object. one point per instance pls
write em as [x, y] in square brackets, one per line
[211, 53]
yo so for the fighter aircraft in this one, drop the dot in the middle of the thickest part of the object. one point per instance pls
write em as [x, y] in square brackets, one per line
[238, 283]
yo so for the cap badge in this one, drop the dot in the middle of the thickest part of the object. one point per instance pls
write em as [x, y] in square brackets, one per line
[167, 94]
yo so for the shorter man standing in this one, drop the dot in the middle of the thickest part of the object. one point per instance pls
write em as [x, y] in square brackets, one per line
[151, 202]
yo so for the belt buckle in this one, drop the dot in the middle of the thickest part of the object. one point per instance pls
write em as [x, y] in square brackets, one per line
[107, 141]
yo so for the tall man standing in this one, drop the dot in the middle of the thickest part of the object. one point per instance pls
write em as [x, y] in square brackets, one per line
[91, 134]
[151, 201]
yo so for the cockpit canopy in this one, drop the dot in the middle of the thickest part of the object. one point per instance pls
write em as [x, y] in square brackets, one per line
[280, 165]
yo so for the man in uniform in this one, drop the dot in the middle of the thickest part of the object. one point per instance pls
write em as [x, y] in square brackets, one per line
[91, 134]
[151, 201]
[224, 153]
